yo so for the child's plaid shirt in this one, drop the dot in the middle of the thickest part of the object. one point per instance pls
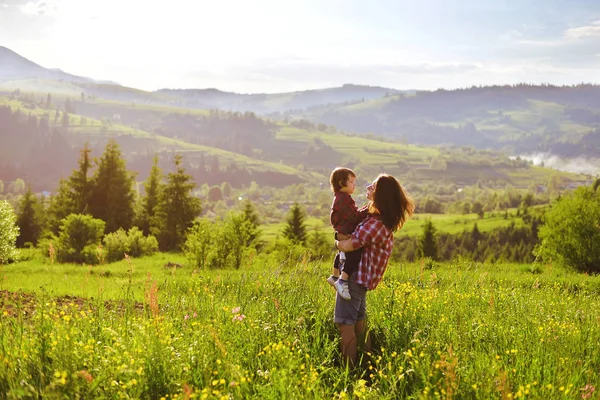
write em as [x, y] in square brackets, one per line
[345, 216]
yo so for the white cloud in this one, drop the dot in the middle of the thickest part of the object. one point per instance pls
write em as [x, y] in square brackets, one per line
[273, 45]
[578, 165]
[40, 7]
[584, 31]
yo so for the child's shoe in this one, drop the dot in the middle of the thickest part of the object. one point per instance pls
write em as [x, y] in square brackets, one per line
[332, 280]
[343, 289]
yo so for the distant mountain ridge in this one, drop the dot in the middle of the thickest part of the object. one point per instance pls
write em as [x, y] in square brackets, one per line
[516, 119]
[14, 66]
[264, 103]
[18, 72]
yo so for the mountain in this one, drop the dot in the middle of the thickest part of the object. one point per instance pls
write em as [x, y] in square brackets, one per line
[17, 72]
[15, 67]
[516, 119]
[264, 103]
[234, 147]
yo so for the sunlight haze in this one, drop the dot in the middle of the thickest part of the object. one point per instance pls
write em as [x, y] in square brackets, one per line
[275, 46]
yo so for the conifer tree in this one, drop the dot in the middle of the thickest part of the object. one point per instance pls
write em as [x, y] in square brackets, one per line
[295, 230]
[178, 208]
[61, 206]
[29, 219]
[80, 183]
[73, 194]
[112, 197]
[319, 244]
[249, 213]
[147, 220]
[427, 241]
[476, 235]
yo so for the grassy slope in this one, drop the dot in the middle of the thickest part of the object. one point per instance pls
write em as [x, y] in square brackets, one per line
[444, 223]
[286, 151]
[468, 329]
[524, 122]
[95, 128]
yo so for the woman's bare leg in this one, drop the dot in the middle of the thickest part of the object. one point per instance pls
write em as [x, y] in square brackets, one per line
[348, 343]
[361, 331]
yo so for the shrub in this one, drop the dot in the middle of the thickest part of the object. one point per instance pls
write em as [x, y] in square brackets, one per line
[219, 244]
[9, 232]
[132, 243]
[571, 231]
[78, 239]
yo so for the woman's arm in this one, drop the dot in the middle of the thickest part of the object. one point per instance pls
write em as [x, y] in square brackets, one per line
[365, 234]
[344, 245]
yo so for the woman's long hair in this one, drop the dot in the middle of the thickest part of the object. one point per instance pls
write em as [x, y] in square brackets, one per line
[391, 202]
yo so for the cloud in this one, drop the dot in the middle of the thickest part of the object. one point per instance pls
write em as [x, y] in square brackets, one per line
[592, 30]
[293, 73]
[295, 68]
[578, 165]
[39, 7]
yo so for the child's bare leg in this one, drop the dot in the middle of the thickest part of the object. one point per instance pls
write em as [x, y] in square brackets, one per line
[345, 276]
[335, 272]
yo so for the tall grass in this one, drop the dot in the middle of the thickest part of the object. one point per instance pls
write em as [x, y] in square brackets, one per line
[460, 330]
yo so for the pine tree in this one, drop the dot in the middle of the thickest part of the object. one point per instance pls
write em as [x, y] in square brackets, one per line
[428, 242]
[178, 208]
[295, 230]
[112, 197]
[80, 184]
[61, 206]
[319, 244]
[73, 194]
[29, 219]
[476, 235]
[149, 205]
[249, 213]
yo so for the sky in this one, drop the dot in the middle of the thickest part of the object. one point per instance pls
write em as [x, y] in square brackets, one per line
[268, 46]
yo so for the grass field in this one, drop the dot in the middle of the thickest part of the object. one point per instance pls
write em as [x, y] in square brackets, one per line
[443, 223]
[139, 330]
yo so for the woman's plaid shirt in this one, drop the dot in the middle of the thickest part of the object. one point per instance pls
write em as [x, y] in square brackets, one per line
[377, 242]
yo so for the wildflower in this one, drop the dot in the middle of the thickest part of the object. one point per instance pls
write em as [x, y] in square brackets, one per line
[235, 310]
[588, 391]
[86, 375]
[238, 317]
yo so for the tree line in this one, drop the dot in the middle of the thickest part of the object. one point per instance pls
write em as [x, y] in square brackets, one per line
[105, 190]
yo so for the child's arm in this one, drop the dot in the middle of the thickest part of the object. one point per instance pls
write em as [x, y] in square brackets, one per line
[364, 211]
[347, 211]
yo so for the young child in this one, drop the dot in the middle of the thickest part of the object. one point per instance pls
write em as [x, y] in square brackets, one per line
[344, 218]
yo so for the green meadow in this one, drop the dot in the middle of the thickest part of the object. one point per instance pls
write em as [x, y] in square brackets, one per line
[139, 329]
[444, 223]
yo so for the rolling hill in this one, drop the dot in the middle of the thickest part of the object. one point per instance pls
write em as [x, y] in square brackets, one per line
[227, 146]
[516, 119]
[43, 111]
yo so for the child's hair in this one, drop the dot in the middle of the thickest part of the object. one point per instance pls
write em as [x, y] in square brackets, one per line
[391, 201]
[339, 177]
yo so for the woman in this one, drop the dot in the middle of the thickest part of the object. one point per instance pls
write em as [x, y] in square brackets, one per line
[389, 207]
